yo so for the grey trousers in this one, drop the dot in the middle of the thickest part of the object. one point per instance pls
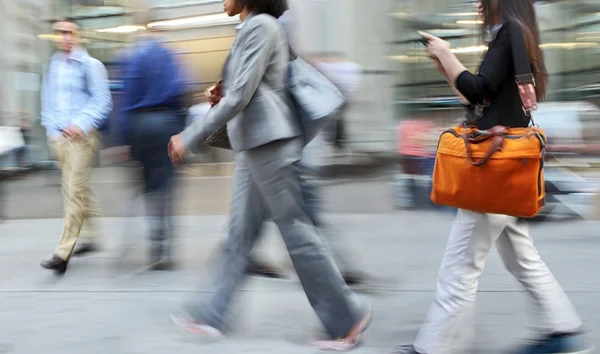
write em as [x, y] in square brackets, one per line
[346, 261]
[268, 177]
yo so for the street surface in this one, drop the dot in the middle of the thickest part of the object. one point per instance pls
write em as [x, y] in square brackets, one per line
[202, 190]
[108, 304]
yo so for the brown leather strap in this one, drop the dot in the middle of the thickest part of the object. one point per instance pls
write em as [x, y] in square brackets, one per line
[479, 136]
[496, 133]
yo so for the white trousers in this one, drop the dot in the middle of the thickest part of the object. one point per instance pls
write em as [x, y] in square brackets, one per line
[470, 241]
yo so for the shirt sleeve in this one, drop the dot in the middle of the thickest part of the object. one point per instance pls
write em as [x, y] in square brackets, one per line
[99, 106]
[177, 75]
[47, 101]
[492, 74]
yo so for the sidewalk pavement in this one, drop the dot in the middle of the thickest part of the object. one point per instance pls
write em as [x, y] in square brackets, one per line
[106, 304]
[198, 191]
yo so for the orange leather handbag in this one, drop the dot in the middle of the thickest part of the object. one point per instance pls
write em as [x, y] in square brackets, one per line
[498, 171]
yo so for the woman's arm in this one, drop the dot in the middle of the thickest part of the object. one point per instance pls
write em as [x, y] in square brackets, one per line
[442, 71]
[452, 66]
[493, 72]
[256, 46]
[445, 62]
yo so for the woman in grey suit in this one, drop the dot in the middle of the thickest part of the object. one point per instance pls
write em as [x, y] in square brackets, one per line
[267, 139]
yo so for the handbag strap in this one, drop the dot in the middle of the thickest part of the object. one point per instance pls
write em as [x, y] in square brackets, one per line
[523, 74]
[496, 134]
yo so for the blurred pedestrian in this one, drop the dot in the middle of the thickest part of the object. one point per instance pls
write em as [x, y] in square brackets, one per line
[25, 126]
[76, 102]
[199, 110]
[412, 140]
[473, 234]
[154, 107]
[309, 168]
[196, 112]
[266, 136]
[347, 76]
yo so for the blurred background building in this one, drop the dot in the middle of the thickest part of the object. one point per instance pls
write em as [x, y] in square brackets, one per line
[398, 81]
[570, 33]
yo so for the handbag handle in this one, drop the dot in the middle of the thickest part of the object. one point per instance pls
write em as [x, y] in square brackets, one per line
[485, 136]
[496, 133]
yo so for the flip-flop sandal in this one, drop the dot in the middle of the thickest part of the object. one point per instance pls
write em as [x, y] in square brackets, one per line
[195, 328]
[349, 342]
[339, 345]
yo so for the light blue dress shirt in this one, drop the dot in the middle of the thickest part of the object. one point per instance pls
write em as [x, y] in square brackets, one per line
[75, 91]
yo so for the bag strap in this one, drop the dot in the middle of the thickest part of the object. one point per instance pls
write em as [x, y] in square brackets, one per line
[523, 75]
[496, 134]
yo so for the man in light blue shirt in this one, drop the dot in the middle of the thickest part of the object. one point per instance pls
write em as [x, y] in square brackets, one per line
[76, 103]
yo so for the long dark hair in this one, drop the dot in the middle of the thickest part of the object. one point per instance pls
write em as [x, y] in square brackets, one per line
[275, 8]
[522, 13]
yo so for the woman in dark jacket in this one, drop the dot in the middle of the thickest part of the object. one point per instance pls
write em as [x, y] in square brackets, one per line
[473, 234]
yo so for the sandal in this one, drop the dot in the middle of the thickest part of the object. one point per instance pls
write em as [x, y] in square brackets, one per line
[196, 328]
[348, 342]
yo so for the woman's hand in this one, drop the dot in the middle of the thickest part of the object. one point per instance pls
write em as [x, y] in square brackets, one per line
[445, 62]
[214, 93]
[177, 149]
[436, 46]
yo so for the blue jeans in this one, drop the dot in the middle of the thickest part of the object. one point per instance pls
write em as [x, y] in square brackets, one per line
[151, 133]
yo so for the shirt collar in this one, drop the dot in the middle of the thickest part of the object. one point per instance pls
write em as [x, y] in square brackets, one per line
[241, 24]
[492, 31]
[78, 54]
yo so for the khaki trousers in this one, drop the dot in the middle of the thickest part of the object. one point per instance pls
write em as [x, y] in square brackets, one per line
[76, 157]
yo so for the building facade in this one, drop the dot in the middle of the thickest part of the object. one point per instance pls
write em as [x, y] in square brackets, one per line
[398, 82]
[570, 41]
[21, 65]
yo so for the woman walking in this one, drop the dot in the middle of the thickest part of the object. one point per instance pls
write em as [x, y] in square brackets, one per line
[266, 137]
[473, 234]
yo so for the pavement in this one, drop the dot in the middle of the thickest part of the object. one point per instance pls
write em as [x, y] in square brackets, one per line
[200, 190]
[107, 303]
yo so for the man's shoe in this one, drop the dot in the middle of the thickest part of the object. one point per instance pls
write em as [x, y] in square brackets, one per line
[406, 349]
[56, 264]
[573, 343]
[85, 248]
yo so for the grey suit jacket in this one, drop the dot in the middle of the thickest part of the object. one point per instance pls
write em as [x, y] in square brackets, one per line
[256, 105]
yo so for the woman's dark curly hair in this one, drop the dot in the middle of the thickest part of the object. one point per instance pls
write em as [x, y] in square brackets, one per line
[275, 8]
